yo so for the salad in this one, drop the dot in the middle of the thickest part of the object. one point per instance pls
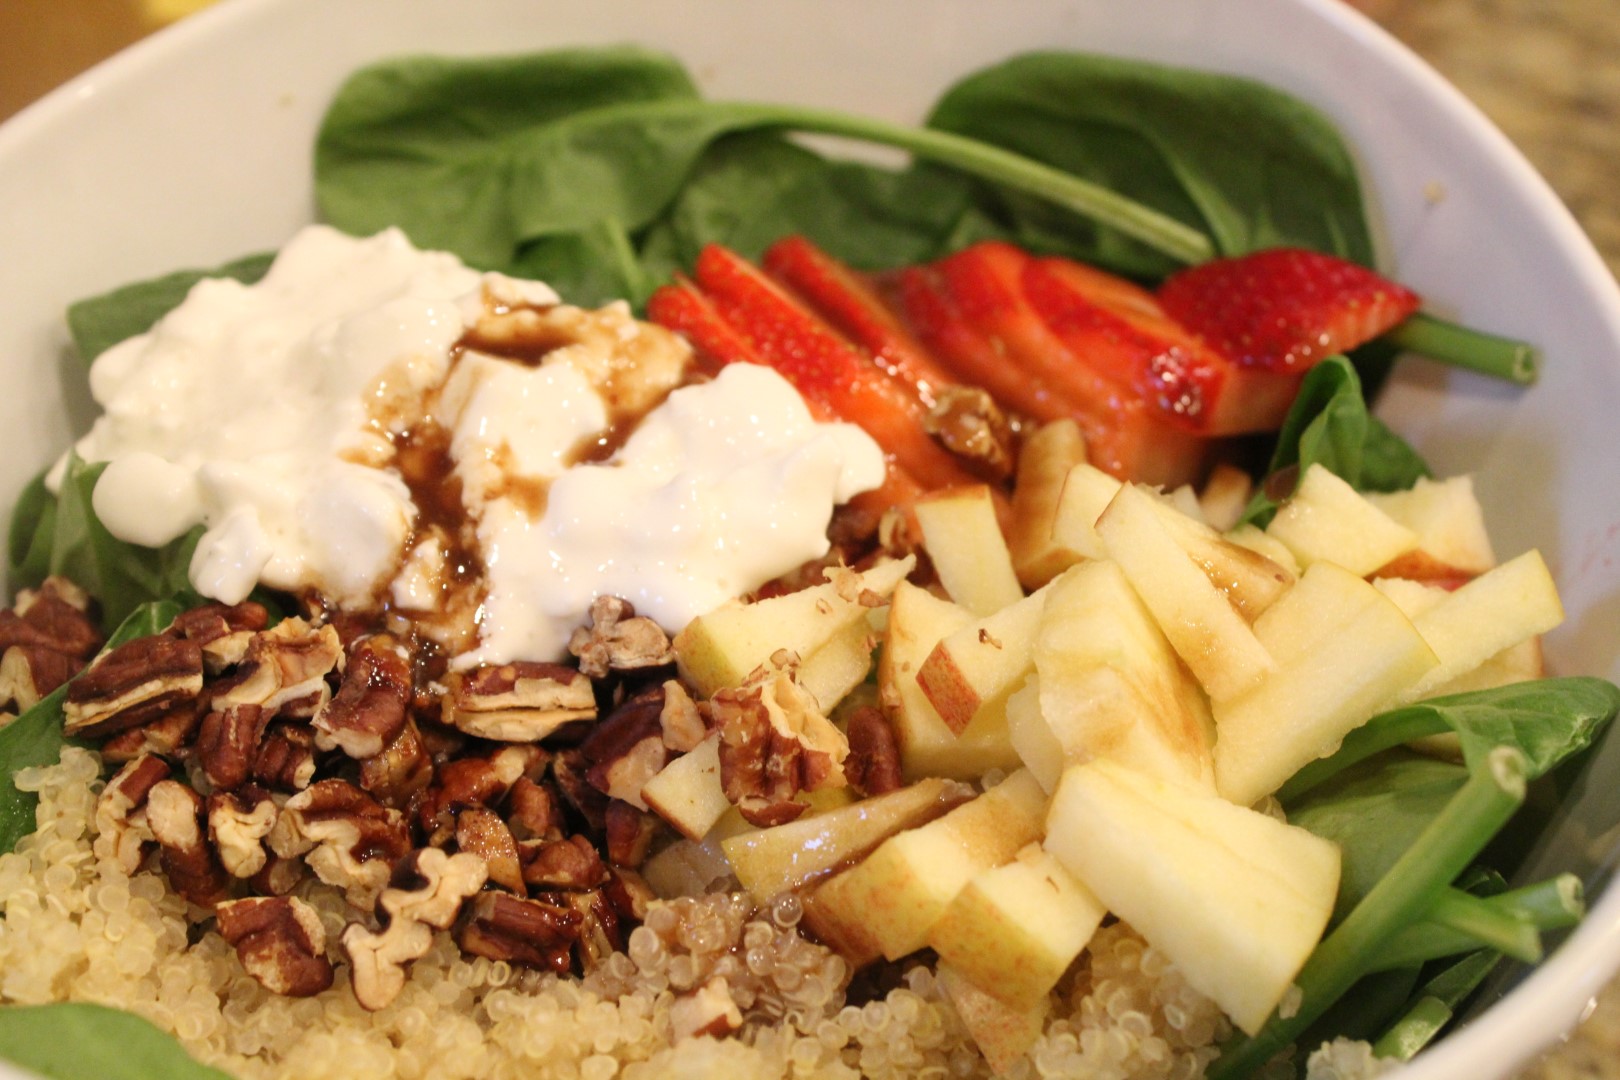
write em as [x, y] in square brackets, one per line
[462, 839]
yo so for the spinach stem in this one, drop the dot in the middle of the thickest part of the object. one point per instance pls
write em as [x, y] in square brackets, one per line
[1504, 929]
[1475, 350]
[1402, 896]
[1554, 904]
[1413, 1031]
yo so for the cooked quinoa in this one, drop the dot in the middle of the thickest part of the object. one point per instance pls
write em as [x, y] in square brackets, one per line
[75, 928]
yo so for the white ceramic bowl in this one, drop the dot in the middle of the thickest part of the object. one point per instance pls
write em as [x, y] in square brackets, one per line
[194, 147]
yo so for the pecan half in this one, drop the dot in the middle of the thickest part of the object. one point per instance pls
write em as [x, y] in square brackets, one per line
[134, 684]
[165, 735]
[480, 832]
[873, 764]
[238, 822]
[280, 942]
[29, 672]
[122, 830]
[530, 933]
[402, 769]
[55, 616]
[285, 758]
[627, 749]
[619, 640]
[284, 669]
[630, 833]
[517, 702]
[426, 894]
[370, 707]
[774, 743]
[571, 864]
[969, 423]
[175, 814]
[223, 632]
[227, 742]
[346, 837]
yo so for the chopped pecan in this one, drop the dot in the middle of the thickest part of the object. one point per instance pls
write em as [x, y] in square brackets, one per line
[227, 742]
[517, 702]
[571, 864]
[627, 749]
[619, 640]
[279, 876]
[707, 1010]
[402, 769]
[534, 811]
[29, 672]
[530, 933]
[629, 894]
[164, 735]
[134, 684]
[280, 942]
[346, 836]
[285, 758]
[481, 832]
[122, 830]
[426, 893]
[969, 423]
[599, 933]
[175, 813]
[475, 781]
[630, 833]
[238, 822]
[55, 616]
[873, 764]
[774, 742]
[681, 719]
[371, 705]
[568, 770]
[284, 669]
[222, 631]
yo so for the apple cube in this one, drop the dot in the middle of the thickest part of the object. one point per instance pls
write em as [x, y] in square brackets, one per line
[964, 541]
[1111, 686]
[1032, 737]
[1256, 539]
[1450, 528]
[1344, 651]
[1043, 461]
[1235, 898]
[1003, 1034]
[1087, 491]
[687, 792]
[1015, 929]
[898, 892]
[1326, 519]
[840, 665]
[721, 648]
[918, 621]
[1225, 496]
[974, 668]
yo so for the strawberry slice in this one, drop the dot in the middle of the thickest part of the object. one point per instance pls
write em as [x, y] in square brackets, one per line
[1285, 309]
[972, 310]
[825, 368]
[851, 305]
[1121, 330]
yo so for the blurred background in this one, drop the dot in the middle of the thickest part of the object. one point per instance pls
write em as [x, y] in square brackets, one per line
[1546, 71]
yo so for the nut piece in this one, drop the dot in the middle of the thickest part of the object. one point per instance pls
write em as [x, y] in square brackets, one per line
[164, 735]
[518, 702]
[969, 423]
[134, 684]
[475, 781]
[285, 759]
[530, 933]
[708, 1010]
[571, 864]
[280, 941]
[681, 719]
[371, 706]
[227, 742]
[534, 811]
[223, 632]
[774, 742]
[428, 891]
[627, 749]
[480, 832]
[630, 833]
[174, 813]
[55, 616]
[401, 770]
[238, 822]
[873, 764]
[29, 672]
[122, 830]
[347, 838]
[284, 669]
[619, 640]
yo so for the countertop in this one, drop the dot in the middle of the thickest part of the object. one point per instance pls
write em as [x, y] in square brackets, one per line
[1546, 71]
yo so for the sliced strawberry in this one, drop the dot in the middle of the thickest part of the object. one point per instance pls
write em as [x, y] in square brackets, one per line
[1284, 309]
[1120, 330]
[972, 310]
[824, 367]
[850, 304]
[682, 307]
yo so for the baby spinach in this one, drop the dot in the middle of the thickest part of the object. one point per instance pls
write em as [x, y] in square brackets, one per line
[80, 1041]
[100, 322]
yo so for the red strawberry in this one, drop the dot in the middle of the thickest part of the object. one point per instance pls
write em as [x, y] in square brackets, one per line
[683, 308]
[1285, 309]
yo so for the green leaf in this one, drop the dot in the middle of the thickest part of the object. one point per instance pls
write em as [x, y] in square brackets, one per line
[35, 738]
[103, 321]
[79, 1041]
[1244, 163]
[29, 542]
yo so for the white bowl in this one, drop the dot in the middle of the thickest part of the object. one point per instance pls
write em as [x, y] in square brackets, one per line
[194, 147]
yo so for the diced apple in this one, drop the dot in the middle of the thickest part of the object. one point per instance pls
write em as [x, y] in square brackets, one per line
[1235, 898]
[1043, 461]
[1255, 539]
[1003, 1035]
[776, 860]
[1201, 623]
[1345, 651]
[721, 648]
[687, 792]
[974, 668]
[1183, 500]
[1032, 737]
[840, 665]
[1110, 685]
[1495, 611]
[1015, 929]
[898, 892]
[1326, 519]
[964, 541]
[918, 621]
[1450, 527]
[1225, 496]
[1250, 580]
[691, 867]
[1087, 491]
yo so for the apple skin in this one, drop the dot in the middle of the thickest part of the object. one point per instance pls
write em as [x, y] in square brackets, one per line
[974, 668]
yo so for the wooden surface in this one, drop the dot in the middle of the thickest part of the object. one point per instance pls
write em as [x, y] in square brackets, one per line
[1546, 71]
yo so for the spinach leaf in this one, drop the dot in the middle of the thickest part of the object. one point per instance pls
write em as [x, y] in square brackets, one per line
[29, 542]
[1329, 425]
[1244, 163]
[101, 322]
[35, 738]
[78, 1041]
